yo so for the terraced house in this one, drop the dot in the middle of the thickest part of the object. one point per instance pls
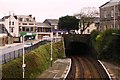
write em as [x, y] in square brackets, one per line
[18, 25]
[43, 29]
[110, 15]
[53, 23]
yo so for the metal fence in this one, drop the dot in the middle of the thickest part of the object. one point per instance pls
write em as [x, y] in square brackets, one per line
[15, 54]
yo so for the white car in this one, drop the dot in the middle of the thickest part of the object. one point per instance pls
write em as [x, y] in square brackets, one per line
[27, 44]
[48, 38]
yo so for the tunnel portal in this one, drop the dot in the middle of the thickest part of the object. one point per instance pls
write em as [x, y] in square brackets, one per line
[78, 48]
[77, 45]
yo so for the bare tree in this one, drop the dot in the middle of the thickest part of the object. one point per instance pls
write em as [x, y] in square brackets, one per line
[86, 16]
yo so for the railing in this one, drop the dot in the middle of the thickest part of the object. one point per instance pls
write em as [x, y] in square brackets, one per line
[17, 53]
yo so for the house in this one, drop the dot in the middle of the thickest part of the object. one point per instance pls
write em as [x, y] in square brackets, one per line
[110, 15]
[89, 29]
[55, 32]
[52, 22]
[27, 26]
[43, 29]
[5, 36]
[18, 25]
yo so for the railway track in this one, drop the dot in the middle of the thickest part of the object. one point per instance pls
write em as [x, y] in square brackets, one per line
[86, 68]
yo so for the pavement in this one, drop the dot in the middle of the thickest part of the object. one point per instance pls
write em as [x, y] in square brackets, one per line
[58, 71]
[113, 70]
[33, 41]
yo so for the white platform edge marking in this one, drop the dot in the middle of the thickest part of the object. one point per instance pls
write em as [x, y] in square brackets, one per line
[105, 70]
[67, 71]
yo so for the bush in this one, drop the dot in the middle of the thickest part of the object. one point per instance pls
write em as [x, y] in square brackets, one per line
[107, 45]
[36, 62]
[93, 39]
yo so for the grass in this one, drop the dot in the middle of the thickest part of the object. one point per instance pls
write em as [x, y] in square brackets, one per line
[36, 62]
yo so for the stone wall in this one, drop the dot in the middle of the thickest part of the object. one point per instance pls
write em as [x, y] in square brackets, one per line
[6, 40]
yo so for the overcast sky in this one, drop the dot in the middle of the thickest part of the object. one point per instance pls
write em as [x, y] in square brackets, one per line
[46, 9]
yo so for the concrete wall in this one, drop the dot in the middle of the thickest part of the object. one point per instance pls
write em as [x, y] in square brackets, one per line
[10, 52]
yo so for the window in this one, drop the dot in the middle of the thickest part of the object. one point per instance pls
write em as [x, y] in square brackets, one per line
[119, 11]
[9, 22]
[31, 24]
[112, 26]
[12, 23]
[59, 34]
[24, 20]
[20, 28]
[112, 13]
[106, 27]
[48, 30]
[31, 28]
[105, 14]
[54, 33]
[3, 29]
[118, 26]
[23, 28]
[20, 19]
[27, 29]
[24, 23]
[27, 19]
[11, 29]
[88, 30]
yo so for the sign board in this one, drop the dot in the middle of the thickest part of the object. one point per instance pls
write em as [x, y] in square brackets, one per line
[29, 34]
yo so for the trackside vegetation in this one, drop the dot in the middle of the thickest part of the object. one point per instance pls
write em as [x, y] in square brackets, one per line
[36, 62]
[107, 45]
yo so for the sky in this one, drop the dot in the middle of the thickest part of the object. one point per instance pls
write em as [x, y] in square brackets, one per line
[46, 9]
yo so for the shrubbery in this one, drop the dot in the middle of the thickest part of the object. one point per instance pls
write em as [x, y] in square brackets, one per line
[107, 45]
[36, 62]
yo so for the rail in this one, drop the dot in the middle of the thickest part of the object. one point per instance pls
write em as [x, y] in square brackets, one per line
[86, 68]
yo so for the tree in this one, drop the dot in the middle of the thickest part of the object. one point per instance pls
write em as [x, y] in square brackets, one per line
[68, 23]
[86, 16]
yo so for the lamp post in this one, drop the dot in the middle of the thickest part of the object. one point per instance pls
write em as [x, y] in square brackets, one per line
[51, 58]
[23, 65]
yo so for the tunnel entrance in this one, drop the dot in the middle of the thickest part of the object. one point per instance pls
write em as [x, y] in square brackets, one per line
[77, 45]
[78, 49]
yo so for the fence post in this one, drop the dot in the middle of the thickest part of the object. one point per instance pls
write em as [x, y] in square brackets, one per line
[4, 58]
[14, 54]
[9, 56]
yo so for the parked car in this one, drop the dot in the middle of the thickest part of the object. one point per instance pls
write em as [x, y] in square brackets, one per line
[27, 44]
[48, 38]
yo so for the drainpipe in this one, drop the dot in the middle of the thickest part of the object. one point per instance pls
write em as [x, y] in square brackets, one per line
[114, 16]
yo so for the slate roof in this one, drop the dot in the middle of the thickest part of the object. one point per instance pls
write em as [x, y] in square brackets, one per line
[39, 24]
[6, 17]
[51, 21]
[110, 3]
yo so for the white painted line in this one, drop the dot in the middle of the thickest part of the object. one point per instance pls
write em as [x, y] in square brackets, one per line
[56, 77]
[67, 71]
[105, 70]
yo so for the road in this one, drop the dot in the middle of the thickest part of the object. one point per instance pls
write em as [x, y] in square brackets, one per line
[86, 68]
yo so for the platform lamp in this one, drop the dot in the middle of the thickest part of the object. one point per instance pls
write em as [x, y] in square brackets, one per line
[23, 65]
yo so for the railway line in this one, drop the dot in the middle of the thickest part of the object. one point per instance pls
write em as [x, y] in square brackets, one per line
[86, 68]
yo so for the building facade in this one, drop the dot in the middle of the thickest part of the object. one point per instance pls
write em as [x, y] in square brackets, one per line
[43, 29]
[110, 15]
[18, 25]
[53, 23]
[89, 29]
